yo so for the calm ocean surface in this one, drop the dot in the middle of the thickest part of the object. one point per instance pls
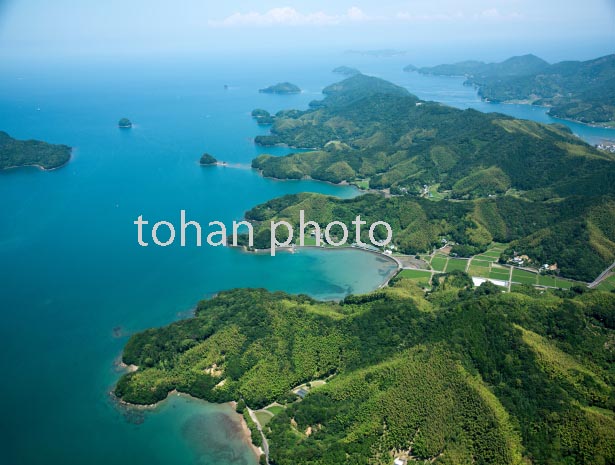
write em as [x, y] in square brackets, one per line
[72, 272]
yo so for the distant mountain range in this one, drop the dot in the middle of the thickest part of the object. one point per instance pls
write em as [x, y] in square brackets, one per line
[583, 91]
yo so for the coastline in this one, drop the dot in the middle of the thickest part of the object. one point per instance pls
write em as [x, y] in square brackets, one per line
[41, 168]
[246, 434]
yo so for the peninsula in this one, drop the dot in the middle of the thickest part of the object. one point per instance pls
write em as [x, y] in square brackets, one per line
[536, 187]
[469, 374]
[582, 91]
[16, 153]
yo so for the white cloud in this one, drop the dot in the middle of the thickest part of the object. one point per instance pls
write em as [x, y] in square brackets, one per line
[288, 16]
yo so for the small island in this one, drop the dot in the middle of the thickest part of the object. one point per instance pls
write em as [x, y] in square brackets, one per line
[16, 153]
[125, 123]
[208, 160]
[281, 88]
[346, 71]
[262, 116]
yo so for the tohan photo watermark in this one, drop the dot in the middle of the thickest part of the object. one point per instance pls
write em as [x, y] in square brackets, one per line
[219, 236]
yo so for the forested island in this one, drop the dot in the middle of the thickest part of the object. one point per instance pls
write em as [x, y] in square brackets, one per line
[583, 91]
[281, 88]
[346, 71]
[124, 123]
[535, 186]
[16, 153]
[208, 160]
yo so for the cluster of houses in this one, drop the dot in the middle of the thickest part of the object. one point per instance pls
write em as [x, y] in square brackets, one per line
[607, 147]
[520, 260]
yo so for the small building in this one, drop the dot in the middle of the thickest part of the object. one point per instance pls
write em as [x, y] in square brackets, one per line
[302, 392]
[399, 461]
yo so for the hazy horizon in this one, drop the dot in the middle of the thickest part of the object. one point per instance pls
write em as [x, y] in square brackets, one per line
[430, 32]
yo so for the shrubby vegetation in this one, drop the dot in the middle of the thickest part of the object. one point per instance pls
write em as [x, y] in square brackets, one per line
[15, 153]
[582, 91]
[462, 375]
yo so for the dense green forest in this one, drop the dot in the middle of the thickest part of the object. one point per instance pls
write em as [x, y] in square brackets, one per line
[15, 153]
[578, 90]
[458, 376]
[370, 129]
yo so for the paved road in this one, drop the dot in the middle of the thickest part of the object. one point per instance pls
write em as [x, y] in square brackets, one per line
[258, 425]
[603, 275]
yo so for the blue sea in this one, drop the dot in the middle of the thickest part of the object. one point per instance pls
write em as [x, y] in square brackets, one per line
[74, 282]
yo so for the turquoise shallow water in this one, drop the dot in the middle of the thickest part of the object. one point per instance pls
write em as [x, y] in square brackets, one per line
[71, 268]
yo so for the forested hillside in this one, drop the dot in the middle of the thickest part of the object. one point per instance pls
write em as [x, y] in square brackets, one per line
[578, 90]
[369, 129]
[462, 375]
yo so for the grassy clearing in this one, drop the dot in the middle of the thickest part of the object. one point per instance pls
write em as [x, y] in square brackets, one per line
[481, 263]
[363, 184]
[263, 417]
[275, 409]
[456, 264]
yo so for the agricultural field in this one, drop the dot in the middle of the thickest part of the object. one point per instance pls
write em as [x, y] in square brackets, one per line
[419, 276]
[524, 277]
[608, 284]
[438, 262]
[456, 264]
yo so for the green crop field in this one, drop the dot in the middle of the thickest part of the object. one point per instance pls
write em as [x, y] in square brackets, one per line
[608, 284]
[545, 280]
[419, 276]
[481, 263]
[523, 277]
[456, 264]
[438, 263]
[486, 258]
[497, 274]
[478, 271]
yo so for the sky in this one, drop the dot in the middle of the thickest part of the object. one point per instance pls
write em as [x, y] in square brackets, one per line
[487, 29]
